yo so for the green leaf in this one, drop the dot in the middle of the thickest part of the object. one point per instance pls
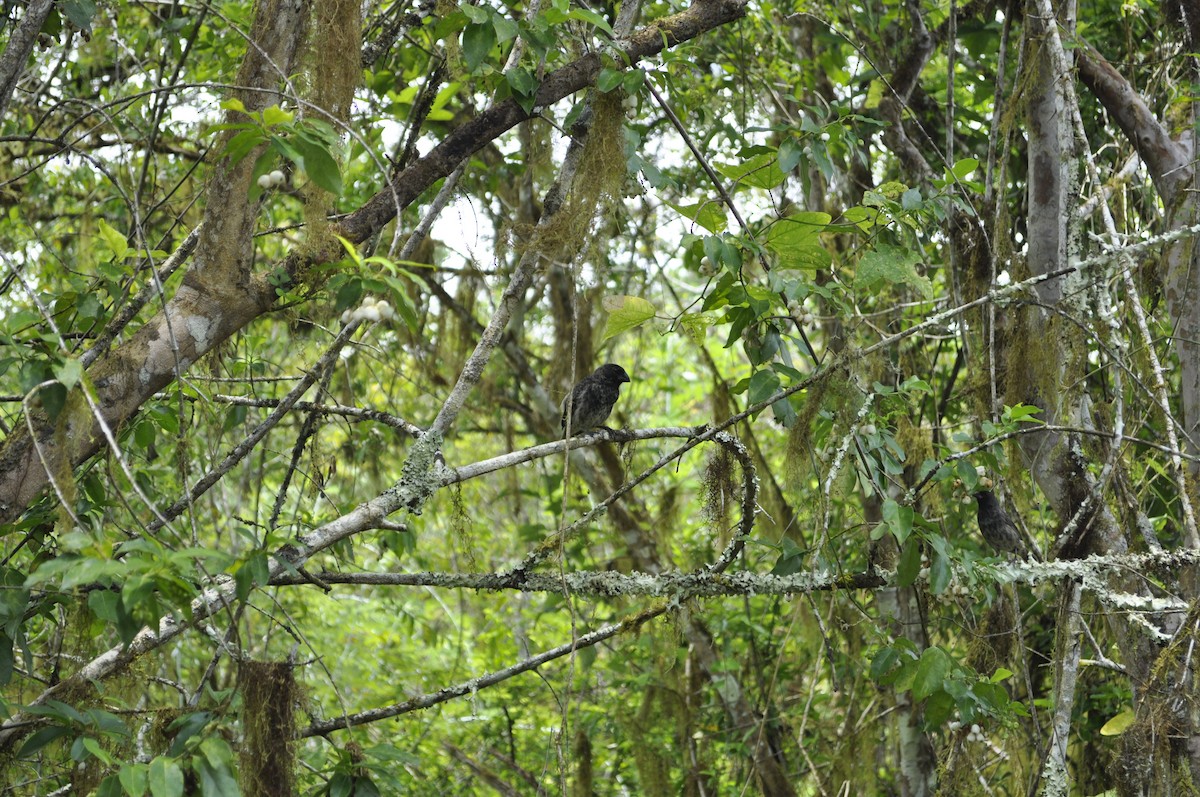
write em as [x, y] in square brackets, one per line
[931, 673]
[796, 241]
[723, 253]
[625, 313]
[710, 214]
[117, 245]
[477, 14]
[521, 80]
[80, 12]
[7, 659]
[1022, 413]
[166, 778]
[1001, 675]
[69, 372]
[134, 779]
[241, 144]
[41, 738]
[899, 519]
[505, 28]
[477, 41]
[759, 171]
[319, 165]
[591, 17]
[891, 265]
[938, 709]
[215, 781]
[909, 566]
[884, 661]
[763, 385]
[609, 79]
[276, 115]
[964, 167]
[789, 155]
[940, 572]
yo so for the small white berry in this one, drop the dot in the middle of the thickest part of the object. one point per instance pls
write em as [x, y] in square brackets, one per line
[277, 177]
[265, 182]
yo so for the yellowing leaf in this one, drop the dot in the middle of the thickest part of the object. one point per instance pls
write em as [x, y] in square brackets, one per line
[1118, 724]
[625, 313]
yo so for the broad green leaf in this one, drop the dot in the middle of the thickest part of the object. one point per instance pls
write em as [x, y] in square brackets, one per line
[477, 14]
[1001, 675]
[938, 708]
[789, 155]
[899, 519]
[276, 115]
[506, 29]
[609, 79]
[166, 778]
[940, 572]
[796, 241]
[723, 253]
[80, 12]
[591, 17]
[521, 80]
[625, 313]
[115, 241]
[477, 41]
[763, 385]
[69, 372]
[760, 171]
[909, 566]
[964, 167]
[931, 673]
[134, 779]
[241, 144]
[41, 738]
[696, 325]
[7, 659]
[710, 214]
[320, 166]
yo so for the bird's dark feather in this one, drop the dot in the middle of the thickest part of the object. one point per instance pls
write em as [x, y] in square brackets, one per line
[592, 399]
[997, 528]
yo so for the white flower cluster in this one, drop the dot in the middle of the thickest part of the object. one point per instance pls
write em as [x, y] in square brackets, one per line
[370, 309]
[271, 180]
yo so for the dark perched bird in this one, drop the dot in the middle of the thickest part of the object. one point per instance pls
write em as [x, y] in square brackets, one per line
[997, 527]
[593, 398]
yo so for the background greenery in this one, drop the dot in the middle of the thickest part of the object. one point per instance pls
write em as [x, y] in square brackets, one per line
[848, 235]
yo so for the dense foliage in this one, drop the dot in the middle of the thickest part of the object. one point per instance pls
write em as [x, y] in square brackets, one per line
[290, 295]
